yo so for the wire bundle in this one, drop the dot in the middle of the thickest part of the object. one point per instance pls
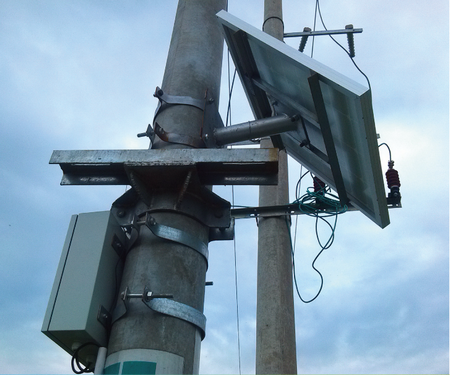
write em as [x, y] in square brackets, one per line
[320, 205]
[76, 362]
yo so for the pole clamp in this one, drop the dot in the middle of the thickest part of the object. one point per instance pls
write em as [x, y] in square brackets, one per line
[177, 235]
[163, 304]
[166, 101]
[174, 99]
[181, 139]
[179, 310]
[211, 120]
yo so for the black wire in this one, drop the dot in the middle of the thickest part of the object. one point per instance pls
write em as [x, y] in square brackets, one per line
[331, 239]
[297, 187]
[230, 90]
[295, 274]
[340, 45]
[81, 370]
[385, 144]
[314, 28]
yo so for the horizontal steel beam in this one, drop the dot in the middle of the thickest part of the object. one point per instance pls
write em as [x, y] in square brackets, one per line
[283, 210]
[286, 210]
[162, 166]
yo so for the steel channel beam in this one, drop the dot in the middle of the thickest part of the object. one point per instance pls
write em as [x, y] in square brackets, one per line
[214, 166]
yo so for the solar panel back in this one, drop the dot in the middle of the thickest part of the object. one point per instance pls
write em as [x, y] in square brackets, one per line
[336, 137]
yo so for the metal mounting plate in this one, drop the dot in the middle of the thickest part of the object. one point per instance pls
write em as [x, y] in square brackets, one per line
[214, 166]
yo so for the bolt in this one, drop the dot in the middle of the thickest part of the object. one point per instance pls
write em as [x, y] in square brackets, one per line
[218, 213]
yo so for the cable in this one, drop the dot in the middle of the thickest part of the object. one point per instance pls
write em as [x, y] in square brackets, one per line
[230, 91]
[75, 360]
[314, 28]
[236, 292]
[297, 193]
[297, 187]
[313, 204]
[236, 281]
[340, 45]
[385, 144]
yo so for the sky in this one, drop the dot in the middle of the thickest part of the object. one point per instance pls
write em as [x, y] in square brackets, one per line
[81, 74]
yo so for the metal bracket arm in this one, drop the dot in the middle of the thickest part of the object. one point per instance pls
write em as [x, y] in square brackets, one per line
[324, 32]
[255, 129]
[307, 32]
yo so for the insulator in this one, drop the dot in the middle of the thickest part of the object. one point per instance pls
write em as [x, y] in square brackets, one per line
[319, 185]
[392, 178]
[351, 42]
[393, 181]
[304, 39]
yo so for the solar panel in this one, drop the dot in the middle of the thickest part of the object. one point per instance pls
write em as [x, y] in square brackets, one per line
[336, 137]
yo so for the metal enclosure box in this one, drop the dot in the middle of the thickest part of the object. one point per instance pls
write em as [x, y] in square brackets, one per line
[86, 283]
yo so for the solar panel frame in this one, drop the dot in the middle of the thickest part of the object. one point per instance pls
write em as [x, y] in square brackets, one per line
[337, 139]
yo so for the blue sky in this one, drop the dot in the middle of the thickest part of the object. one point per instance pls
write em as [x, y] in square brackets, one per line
[81, 75]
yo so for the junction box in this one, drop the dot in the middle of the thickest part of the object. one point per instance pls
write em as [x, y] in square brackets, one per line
[86, 284]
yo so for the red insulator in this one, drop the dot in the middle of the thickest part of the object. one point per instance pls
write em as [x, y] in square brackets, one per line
[392, 178]
[319, 185]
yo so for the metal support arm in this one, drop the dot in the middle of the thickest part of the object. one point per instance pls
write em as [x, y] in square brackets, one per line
[324, 32]
[255, 129]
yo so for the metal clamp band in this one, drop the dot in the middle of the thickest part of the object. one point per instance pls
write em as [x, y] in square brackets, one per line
[178, 138]
[180, 311]
[177, 235]
[165, 101]
[173, 99]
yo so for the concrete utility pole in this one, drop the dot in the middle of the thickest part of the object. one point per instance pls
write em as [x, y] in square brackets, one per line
[275, 320]
[141, 338]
